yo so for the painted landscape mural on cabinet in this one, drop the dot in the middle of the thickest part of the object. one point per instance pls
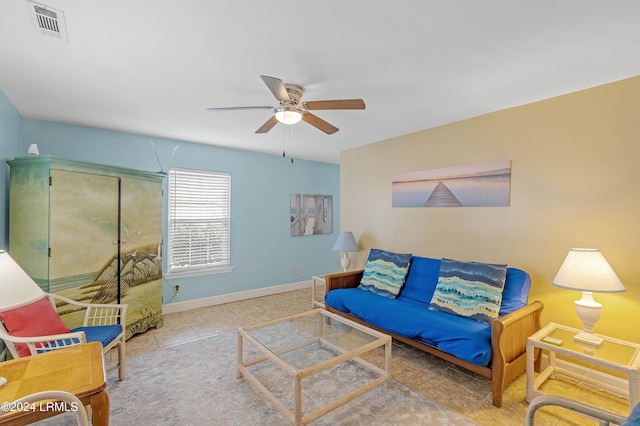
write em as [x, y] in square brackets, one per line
[97, 224]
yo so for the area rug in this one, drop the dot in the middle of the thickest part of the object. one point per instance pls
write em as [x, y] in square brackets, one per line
[195, 384]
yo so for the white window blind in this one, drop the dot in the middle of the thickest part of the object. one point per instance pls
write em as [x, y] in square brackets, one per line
[199, 221]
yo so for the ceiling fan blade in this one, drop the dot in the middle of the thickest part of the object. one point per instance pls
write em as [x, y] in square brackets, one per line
[240, 108]
[335, 104]
[268, 125]
[277, 88]
[318, 122]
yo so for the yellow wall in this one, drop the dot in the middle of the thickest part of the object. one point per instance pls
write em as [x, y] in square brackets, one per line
[575, 182]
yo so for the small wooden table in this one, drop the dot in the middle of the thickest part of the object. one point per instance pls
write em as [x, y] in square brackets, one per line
[76, 369]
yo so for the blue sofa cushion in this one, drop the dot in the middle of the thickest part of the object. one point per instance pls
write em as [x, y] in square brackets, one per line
[421, 280]
[385, 272]
[469, 289]
[461, 337]
[423, 277]
[516, 291]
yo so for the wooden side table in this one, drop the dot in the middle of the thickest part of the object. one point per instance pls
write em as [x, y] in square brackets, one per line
[76, 369]
[614, 355]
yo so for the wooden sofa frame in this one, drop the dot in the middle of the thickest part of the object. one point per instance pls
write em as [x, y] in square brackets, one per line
[508, 338]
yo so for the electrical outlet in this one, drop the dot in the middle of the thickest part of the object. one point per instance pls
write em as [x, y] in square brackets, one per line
[296, 271]
[176, 288]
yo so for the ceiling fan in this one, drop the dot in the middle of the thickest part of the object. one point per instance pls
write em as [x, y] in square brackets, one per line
[291, 110]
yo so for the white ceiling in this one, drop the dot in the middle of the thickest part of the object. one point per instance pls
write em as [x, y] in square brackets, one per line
[151, 67]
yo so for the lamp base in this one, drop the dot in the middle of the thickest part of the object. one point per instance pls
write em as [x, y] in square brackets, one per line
[345, 262]
[588, 339]
[589, 312]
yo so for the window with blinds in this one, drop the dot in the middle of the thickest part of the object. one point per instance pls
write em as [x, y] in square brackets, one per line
[199, 222]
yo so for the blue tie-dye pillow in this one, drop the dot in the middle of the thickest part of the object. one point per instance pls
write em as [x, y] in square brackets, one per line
[385, 272]
[469, 289]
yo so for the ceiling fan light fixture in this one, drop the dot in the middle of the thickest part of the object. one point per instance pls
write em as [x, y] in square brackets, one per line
[288, 115]
[291, 111]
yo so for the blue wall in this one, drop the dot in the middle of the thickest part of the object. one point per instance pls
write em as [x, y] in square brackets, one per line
[263, 253]
[10, 145]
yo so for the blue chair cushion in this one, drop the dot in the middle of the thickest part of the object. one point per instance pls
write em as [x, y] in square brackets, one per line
[104, 334]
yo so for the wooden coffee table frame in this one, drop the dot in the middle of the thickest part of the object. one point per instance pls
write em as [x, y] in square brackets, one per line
[296, 416]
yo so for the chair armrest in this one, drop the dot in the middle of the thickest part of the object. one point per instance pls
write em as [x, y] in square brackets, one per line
[97, 313]
[73, 403]
[509, 333]
[570, 404]
[349, 279]
[38, 344]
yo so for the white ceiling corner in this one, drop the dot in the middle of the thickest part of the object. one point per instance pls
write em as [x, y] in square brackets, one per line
[152, 67]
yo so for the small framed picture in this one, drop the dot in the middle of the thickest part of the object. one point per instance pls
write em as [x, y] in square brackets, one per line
[311, 214]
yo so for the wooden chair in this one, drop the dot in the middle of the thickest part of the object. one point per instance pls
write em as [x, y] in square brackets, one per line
[30, 324]
[102, 323]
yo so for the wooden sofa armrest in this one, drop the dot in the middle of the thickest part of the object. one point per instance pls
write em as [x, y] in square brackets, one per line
[349, 279]
[509, 345]
[509, 333]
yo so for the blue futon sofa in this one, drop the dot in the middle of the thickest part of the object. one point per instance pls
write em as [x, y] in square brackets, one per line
[496, 350]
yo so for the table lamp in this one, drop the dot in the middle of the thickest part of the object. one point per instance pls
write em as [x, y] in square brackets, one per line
[16, 288]
[587, 270]
[345, 244]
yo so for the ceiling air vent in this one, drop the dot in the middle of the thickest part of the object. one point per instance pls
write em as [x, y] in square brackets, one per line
[47, 20]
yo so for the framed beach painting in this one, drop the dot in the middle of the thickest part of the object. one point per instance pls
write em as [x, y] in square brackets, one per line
[486, 184]
[311, 214]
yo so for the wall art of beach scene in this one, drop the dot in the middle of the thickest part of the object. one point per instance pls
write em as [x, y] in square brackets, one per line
[311, 214]
[486, 184]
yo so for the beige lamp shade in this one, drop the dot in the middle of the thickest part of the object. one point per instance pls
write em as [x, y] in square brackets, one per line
[16, 287]
[586, 269]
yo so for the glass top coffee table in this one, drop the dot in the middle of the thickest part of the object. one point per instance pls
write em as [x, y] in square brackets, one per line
[319, 352]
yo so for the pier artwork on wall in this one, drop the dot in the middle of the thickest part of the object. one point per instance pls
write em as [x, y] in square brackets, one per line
[311, 214]
[486, 184]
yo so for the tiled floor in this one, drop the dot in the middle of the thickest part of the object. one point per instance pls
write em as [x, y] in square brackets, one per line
[462, 391]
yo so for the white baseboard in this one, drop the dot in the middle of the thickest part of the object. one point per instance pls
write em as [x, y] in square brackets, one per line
[172, 308]
[616, 385]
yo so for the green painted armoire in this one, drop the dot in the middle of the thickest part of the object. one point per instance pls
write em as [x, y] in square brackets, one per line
[90, 232]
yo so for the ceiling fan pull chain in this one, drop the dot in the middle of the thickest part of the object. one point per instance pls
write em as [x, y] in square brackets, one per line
[291, 142]
[284, 137]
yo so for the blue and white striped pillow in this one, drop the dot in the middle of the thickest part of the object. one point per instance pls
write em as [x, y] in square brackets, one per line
[469, 289]
[385, 272]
